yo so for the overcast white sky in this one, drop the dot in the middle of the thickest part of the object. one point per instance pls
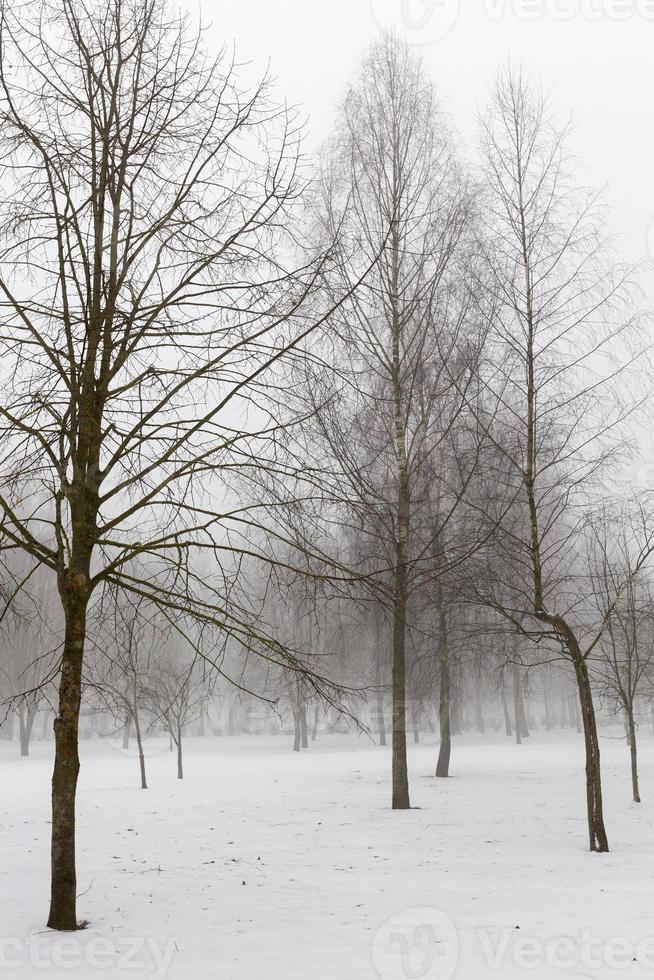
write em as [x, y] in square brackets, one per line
[596, 57]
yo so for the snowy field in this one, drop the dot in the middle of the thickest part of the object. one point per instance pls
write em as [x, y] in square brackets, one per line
[265, 865]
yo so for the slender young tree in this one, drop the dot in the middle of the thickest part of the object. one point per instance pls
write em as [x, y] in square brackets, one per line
[178, 695]
[563, 348]
[127, 640]
[624, 666]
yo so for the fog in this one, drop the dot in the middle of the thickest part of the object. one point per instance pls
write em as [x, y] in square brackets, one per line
[326, 489]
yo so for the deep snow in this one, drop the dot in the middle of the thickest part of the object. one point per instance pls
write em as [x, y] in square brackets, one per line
[262, 863]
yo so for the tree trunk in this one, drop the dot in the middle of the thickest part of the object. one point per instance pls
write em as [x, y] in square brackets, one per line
[303, 726]
[400, 773]
[505, 708]
[63, 912]
[297, 729]
[546, 699]
[26, 715]
[633, 750]
[180, 764]
[445, 750]
[381, 718]
[596, 831]
[137, 732]
[521, 727]
[128, 719]
[516, 702]
[479, 711]
[316, 718]
[415, 721]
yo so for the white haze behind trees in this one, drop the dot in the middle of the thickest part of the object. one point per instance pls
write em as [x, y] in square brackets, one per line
[307, 446]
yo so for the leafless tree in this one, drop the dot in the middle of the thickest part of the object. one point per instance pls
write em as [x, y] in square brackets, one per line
[386, 396]
[624, 666]
[30, 637]
[178, 693]
[147, 207]
[128, 640]
[564, 348]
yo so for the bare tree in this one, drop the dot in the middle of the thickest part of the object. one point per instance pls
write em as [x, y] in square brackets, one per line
[384, 398]
[624, 666]
[128, 648]
[563, 347]
[178, 695]
[144, 311]
[31, 640]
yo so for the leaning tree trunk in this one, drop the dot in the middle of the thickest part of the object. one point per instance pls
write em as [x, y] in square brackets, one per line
[596, 831]
[633, 750]
[137, 732]
[63, 912]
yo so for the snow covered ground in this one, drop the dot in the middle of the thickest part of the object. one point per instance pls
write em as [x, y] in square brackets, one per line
[266, 864]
